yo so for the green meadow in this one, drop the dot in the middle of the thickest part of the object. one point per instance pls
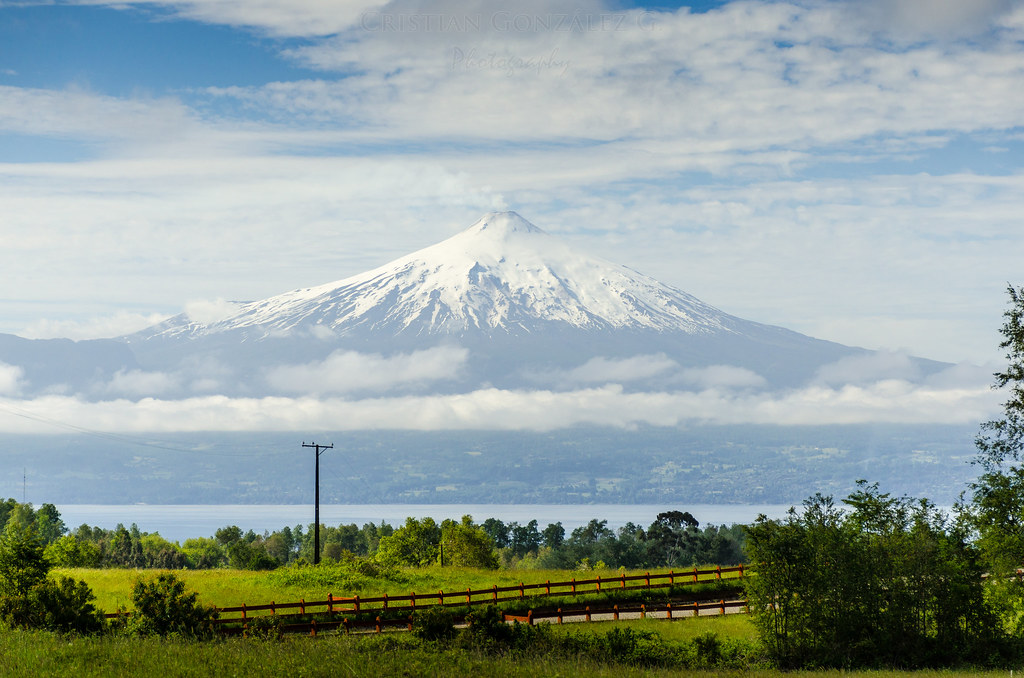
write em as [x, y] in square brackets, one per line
[227, 588]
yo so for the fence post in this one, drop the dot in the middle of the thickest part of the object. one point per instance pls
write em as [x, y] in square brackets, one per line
[330, 603]
[495, 594]
[243, 610]
[440, 597]
[385, 601]
[722, 608]
[588, 613]
[529, 617]
[559, 615]
[623, 580]
[522, 591]
[312, 628]
[273, 610]
[547, 589]
[355, 601]
[344, 625]
[574, 586]
[668, 609]
[643, 611]
[648, 580]
[746, 605]
[694, 574]
[718, 573]
[696, 609]
[302, 605]
[412, 600]
[469, 596]
[598, 583]
[672, 577]
[741, 570]
[615, 612]
[410, 622]
[376, 628]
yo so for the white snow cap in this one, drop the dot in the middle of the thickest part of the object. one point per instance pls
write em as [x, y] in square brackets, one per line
[501, 274]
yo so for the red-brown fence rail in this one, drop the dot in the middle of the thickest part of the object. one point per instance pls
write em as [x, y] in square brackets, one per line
[666, 611]
[356, 605]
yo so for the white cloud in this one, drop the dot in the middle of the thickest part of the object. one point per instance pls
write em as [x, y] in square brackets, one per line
[119, 324]
[282, 18]
[10, 379]
[920, 19]
[891, 401]
[869, 368]
[722, 377]
[136, 383]
[81, 114]
[602, 370]
[210, 311]
[349, 371]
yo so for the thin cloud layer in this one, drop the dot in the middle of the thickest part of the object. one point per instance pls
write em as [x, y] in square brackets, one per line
[891, 401]
[349, 371]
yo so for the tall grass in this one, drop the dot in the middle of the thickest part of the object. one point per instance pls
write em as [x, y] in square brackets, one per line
[24, 654]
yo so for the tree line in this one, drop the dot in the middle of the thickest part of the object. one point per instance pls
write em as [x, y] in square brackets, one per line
[673, 539]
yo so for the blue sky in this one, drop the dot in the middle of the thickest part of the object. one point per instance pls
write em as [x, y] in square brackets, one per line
[849, 170]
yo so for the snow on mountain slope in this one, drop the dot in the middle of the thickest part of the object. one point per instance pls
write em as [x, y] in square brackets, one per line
[502, 275]
[500, 304]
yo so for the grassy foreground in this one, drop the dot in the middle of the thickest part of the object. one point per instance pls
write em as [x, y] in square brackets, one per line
[43, 654]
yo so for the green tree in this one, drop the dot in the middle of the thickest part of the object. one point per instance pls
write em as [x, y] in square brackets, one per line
[204, 553]
[1001, 441]
[29, 599]
[886, 581]
[22, 560]
[415, 543]
[996, 506]
[49, 524]
[467, 545]
[554, 535]
[69, 551]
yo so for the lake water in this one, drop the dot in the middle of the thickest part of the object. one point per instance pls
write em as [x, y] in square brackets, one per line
[180, 521]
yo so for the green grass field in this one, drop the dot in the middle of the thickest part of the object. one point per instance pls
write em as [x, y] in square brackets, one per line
[227, 588]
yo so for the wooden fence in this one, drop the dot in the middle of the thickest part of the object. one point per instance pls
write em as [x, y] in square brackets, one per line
[233, 619]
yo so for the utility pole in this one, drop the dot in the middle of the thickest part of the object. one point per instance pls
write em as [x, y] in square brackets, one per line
[316, 510]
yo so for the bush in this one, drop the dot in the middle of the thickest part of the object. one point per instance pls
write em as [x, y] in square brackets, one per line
[64, 605]
[434, 624]
[163, 608]
[264, 628]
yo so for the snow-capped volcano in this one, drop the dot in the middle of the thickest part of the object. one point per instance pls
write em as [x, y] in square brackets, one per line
[500, 304]
[501, 275]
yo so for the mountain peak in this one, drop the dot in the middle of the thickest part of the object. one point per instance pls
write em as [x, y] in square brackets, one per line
[502, 224]
[501, 275]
